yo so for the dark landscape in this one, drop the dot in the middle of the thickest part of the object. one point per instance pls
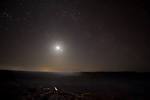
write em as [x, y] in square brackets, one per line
[21, 85]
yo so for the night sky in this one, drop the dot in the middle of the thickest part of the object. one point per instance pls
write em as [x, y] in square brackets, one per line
[96, 35]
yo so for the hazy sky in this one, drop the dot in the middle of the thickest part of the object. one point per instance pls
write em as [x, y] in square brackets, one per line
[95, 35]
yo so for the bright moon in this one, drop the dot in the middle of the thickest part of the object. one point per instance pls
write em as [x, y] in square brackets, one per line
[58, 48]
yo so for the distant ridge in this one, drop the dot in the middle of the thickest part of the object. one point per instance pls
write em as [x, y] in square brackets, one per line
[9, 74]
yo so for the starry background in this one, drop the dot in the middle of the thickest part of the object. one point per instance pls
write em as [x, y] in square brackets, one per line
[98, 35]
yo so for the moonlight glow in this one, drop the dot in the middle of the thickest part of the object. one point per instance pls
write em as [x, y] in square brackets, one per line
[58, 48]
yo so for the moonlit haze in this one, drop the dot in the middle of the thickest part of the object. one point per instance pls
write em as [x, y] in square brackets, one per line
[74, 35]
